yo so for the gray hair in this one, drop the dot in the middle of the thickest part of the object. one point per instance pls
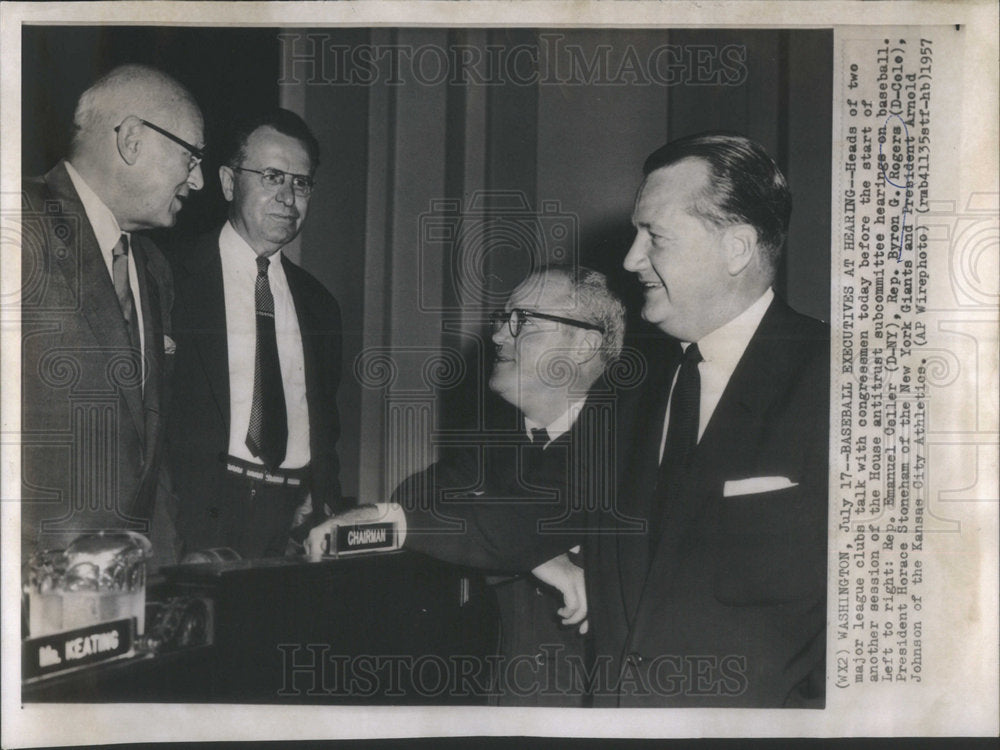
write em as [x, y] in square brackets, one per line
[595, 303]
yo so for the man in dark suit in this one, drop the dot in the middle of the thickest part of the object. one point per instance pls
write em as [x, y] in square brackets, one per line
[722, 602]
[96, 301]
[254, 418]
[519, 498]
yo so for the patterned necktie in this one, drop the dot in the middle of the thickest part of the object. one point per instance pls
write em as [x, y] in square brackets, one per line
[267, 436]
[123, 290]
[682, 436]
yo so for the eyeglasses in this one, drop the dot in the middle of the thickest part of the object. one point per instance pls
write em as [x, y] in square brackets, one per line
[516, 318]
[274, 178]
[197, 155]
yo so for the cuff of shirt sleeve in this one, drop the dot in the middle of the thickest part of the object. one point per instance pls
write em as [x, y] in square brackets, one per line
[550, 552]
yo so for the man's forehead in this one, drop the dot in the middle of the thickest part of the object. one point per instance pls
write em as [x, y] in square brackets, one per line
[542, 292]
[677, 182]
[184, 119]
[265, 140]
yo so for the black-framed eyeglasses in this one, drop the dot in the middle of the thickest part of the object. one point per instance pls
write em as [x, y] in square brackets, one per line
[515, 320]
[197, 155]
[273, 179]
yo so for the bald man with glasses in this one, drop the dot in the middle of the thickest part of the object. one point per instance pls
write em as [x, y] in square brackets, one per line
[96, 300]
[254, 416]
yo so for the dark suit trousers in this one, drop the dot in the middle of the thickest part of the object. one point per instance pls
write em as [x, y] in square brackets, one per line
[543, 660]
[249, 516]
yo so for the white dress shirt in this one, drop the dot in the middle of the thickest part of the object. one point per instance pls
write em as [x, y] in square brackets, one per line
[239, 275]
[107, 232]
[560, 425]
[721, 351]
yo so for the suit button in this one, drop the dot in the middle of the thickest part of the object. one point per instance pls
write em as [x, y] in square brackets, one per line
[213, 512]
[635, 658]
[540, 659]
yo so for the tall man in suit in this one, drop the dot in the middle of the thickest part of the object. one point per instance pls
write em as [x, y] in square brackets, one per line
[96, 301]
[518, 500]
[254, 417]
[722, 603]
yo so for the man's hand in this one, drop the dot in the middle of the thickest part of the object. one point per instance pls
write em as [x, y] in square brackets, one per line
[362, 514]
[562, 574]
[303, 512]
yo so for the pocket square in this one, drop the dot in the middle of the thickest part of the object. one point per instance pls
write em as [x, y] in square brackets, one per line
[169, 345]
[754, 485]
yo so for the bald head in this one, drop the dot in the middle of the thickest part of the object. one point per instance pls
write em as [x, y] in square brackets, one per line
[126, 90]
[141, 174]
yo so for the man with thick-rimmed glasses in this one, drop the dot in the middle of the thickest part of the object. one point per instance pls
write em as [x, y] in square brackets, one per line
[96, 311]
[254, 416]
[514, 503]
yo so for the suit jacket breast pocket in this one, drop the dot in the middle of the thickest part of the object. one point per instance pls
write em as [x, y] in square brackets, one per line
[767, 550]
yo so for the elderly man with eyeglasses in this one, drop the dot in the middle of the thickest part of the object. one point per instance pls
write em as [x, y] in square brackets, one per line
[95, 305]
[514, 504]
[254, 416]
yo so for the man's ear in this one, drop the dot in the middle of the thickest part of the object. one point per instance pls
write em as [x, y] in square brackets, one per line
[589, 346]
[226, 178]
[129, 140]
[740, 242]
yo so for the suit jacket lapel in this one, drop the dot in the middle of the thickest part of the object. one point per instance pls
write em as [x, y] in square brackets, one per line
[759, 376]
[152, 324]
[98, 301]
[308, 327]
[208, 298]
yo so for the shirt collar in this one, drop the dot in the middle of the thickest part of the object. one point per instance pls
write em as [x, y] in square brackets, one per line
[102, 221]
[232, 245]
[725, 345]
[560, 425]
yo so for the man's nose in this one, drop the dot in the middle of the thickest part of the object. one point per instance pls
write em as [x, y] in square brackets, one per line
[636, 256]
[196, 180]
[502, 334]
[285, 194]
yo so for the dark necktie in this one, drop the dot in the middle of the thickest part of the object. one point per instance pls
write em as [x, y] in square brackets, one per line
[682, 436]
[267, 436]
[123, 290]
[539, 437]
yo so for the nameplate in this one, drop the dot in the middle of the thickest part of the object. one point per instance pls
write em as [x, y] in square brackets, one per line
[81, 647]
[362, 537]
